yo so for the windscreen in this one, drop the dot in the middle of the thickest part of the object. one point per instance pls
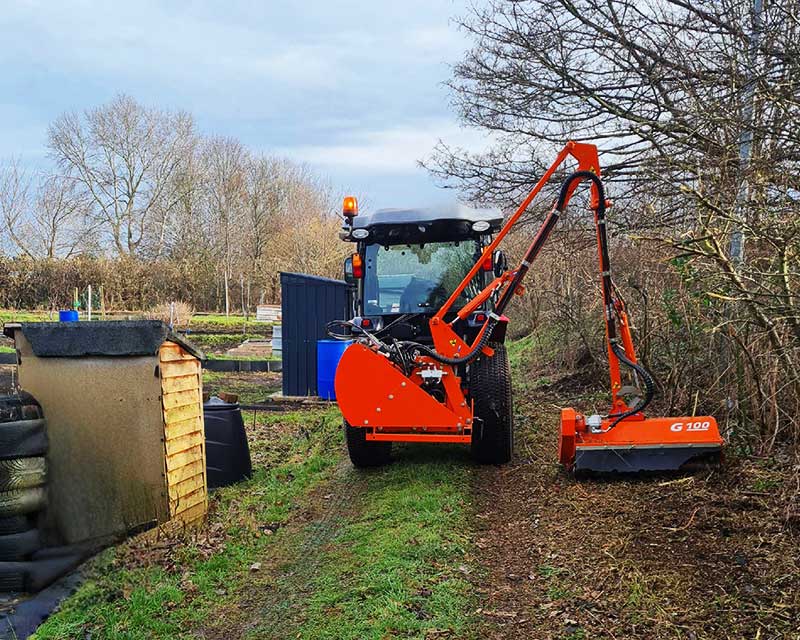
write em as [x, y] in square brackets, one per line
[417, 278]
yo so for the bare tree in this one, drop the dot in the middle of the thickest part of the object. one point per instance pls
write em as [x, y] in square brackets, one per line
[668, 89]
[225, 161]
[58, 225]
[125, 156]
[15, 186]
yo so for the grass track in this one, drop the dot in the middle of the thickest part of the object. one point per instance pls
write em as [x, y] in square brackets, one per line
[391, 563]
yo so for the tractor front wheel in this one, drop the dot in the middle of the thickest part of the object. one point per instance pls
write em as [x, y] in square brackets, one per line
[363, 452]
[490, 390]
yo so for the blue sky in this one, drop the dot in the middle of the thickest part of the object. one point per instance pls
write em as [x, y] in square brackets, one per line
[352, 88]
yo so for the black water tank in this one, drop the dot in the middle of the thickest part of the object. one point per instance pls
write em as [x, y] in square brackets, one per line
[227, 453]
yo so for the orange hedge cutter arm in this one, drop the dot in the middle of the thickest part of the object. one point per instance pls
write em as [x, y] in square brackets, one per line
[449, 344]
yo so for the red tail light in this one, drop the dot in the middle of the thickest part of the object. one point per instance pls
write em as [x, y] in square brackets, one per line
[480, 317]
[358, 266]
[488, 263]
[366, 323]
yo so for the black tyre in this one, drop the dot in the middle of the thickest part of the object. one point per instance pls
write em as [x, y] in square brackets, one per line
[21, 501]
[490, 391]
[13, 576]
[34, 575]
[22, 438]
[21, 406]
[15, 524]
[363, 452]
[22, 473]
[18, 546]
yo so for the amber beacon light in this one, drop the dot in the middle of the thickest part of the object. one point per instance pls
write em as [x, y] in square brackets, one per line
[350, 207]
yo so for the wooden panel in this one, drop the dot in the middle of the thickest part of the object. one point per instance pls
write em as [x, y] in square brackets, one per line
[172, 352]
[184, 427]
[176, 445]
[181, 383]
[186, 471]
[186, 412]
[178, 460]
[187, 487]
[191, 514]
[182, 368]
[186, 502]
[191, 397]
[184, 437]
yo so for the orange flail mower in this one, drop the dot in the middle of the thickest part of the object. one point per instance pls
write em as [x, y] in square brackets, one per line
[428, 362]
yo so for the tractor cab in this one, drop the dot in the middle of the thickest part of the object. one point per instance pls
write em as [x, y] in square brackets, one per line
[407, 263]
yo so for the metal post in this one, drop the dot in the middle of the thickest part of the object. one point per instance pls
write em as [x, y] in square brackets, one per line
[736, 247]
[746, 136]
[89, 303]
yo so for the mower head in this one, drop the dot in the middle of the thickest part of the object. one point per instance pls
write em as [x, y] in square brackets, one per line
[637, 444]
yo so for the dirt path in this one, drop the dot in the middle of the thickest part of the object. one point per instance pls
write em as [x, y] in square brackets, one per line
[701, 556]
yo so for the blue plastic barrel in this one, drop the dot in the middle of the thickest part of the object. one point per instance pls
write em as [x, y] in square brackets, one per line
[70, 315]
[329, 352]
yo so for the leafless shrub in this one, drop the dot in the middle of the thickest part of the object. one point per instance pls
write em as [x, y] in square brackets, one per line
[176, 313]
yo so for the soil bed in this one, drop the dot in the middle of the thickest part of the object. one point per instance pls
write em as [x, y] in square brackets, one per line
[696, 556]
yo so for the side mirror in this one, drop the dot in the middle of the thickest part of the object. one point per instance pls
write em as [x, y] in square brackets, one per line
[349, 278]
[499, 263]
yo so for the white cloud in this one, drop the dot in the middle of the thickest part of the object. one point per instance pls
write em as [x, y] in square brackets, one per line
[352, 87]
[394, 150]
[443, 42]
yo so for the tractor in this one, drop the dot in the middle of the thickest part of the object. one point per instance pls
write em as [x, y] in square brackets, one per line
[428, 361]
[407, 263]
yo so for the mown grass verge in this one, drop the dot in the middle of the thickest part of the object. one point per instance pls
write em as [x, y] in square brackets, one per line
[220, 342]
[251, 387]
[164, 590]
[397, 566]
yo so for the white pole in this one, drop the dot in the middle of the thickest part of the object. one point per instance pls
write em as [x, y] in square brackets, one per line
[736, 249]
[89, 306]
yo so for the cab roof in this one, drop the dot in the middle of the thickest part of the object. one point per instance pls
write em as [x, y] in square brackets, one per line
[453, 211]
[446, 222]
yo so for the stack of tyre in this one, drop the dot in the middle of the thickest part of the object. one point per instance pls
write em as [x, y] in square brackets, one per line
[23, 491]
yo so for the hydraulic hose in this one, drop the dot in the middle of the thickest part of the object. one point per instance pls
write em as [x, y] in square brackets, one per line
[607, 287]
[644, 374]
[465, 359]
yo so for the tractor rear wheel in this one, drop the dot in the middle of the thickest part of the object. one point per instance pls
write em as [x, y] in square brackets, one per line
[490, 391]
[363, 452]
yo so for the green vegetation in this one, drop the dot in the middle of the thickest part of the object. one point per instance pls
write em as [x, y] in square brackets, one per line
[131, 595]
[397, 567]
[223, 356]
[221, 320]
[11, 315]
[251, 388]
[221, 342]
[205, 319]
